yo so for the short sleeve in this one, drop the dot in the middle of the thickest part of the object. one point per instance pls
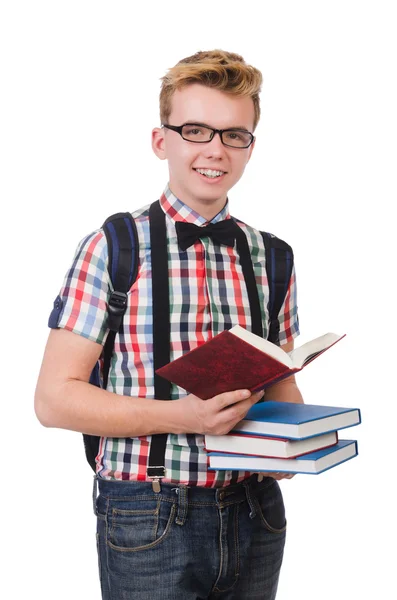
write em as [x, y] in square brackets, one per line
[288, 315]
[81, 306]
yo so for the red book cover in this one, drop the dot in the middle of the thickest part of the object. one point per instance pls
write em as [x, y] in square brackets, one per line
[223, 364]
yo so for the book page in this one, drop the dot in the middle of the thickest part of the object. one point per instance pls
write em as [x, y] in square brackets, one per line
[311, 349]
[262, 344]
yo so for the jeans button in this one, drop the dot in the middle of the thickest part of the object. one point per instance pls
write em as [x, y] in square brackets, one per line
[221, 495]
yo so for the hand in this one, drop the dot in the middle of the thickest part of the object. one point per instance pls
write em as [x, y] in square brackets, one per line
[218, 415]
[278, 476]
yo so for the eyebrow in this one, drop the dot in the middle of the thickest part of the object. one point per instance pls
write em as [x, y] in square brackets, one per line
[235, 128]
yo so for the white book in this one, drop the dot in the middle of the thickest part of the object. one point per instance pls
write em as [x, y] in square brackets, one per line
[312, 463]
[260, 445]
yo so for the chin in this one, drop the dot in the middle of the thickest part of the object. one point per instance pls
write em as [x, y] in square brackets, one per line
[211, 195]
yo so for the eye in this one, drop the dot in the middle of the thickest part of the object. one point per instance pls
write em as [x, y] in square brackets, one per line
[239, 138]
[234, 135]
[193, 131]
[196, 131]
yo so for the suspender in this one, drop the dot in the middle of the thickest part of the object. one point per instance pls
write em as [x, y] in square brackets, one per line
[161, 332]
[161, 321]
[249, 277]
[122, 240]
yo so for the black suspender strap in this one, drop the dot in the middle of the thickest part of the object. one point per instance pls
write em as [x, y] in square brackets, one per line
[161, 320]
[249, 277]
[161, 332]
[122, 240]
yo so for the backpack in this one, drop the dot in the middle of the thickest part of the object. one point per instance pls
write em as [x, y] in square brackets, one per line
[123, 250]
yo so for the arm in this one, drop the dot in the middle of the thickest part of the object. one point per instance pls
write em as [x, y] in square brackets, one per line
[285, 390]
[64, 398]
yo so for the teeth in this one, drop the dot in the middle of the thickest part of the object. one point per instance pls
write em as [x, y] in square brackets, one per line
[210, 172]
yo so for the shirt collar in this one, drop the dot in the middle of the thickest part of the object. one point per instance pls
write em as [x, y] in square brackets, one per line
[179, 211]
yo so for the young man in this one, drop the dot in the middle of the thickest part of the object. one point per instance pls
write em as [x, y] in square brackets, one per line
[196, 533]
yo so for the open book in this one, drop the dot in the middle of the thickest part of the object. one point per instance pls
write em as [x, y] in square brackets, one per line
[238, 359]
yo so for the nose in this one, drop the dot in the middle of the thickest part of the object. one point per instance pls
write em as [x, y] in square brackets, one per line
[215, 146]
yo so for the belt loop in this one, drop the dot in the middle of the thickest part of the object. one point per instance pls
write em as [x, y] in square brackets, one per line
[94, 495]
[252, 514]
[182, 505]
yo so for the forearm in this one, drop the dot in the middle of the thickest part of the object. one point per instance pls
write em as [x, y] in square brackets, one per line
[80, 406]
[284, 391]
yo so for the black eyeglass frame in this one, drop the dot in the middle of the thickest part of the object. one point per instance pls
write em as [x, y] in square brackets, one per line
[179, 129]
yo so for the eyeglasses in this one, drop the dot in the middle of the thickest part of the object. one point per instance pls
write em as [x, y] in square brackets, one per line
[201, 134]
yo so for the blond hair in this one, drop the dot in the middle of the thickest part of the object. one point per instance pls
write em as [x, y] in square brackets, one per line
[224, 71]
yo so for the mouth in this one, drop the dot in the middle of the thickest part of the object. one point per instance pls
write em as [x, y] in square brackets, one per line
[210, 174]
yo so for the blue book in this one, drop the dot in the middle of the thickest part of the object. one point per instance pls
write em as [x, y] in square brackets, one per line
[296, 421]
[312, 463]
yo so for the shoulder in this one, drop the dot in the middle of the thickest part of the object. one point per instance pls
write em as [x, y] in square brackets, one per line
[97, 242]
[90, 258]
[263, 239]
[141, 214]
[94, 244]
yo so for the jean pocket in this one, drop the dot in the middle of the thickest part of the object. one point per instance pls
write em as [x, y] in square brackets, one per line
[271, 510]
[139, 525]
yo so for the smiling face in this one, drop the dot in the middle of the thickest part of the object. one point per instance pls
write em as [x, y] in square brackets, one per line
[208, 106]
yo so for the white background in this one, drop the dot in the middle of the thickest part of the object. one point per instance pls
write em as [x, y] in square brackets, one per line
[80, 83]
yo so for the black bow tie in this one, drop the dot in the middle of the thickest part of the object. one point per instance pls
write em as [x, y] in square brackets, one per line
[223, 232]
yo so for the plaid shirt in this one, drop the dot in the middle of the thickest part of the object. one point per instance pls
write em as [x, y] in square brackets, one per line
[207, 295]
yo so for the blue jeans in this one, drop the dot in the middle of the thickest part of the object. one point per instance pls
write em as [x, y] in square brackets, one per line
[189, 543]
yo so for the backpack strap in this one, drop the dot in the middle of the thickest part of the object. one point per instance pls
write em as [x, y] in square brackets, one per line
[123, 250]
[122, 240]
[279, 263]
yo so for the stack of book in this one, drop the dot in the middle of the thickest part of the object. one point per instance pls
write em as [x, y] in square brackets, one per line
[285, 437]
[274, 436]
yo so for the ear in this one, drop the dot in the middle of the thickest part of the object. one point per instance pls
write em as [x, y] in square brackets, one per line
[158, 143]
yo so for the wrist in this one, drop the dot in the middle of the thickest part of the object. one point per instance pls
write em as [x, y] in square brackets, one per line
[168, 416]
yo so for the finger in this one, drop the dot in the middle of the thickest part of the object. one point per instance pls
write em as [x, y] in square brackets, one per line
[237, 411]
[228, 398]
[281, 475]
[255, 397]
